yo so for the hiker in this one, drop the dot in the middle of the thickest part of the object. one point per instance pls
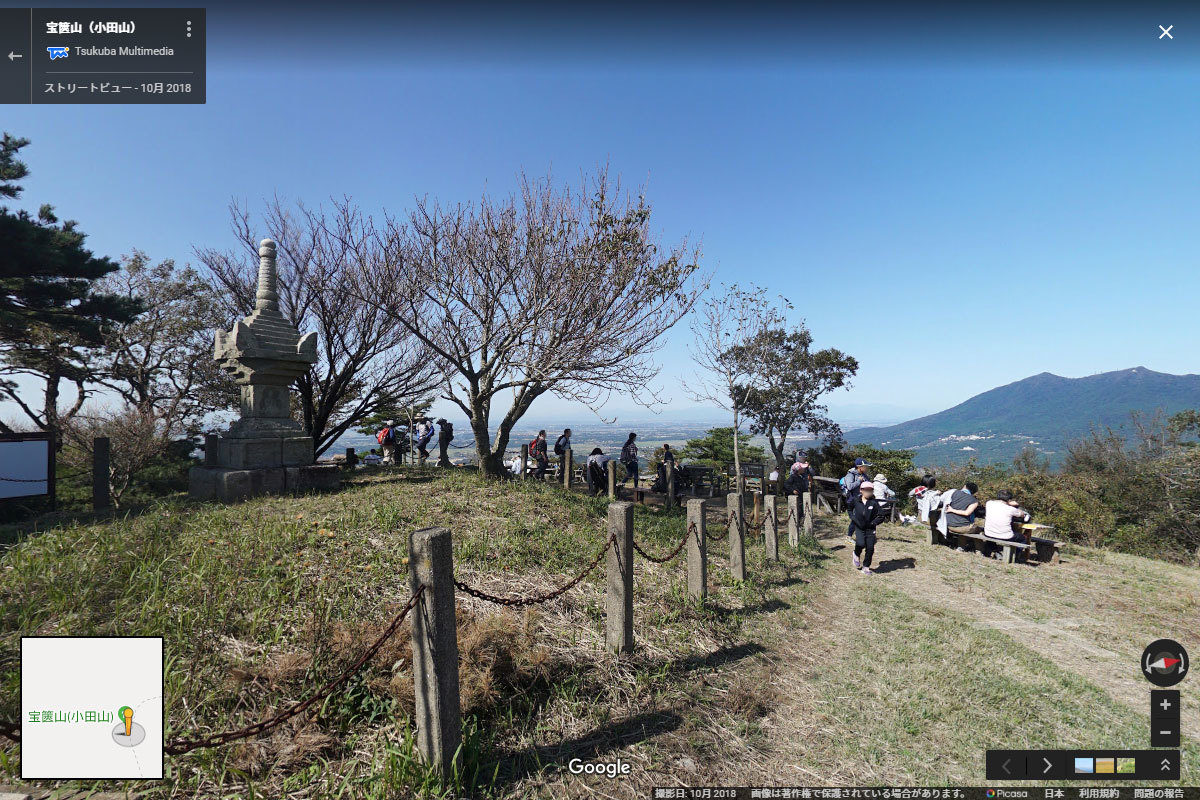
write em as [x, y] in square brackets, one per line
[387, 438]
[445, 436]
[423, 438]
[958, 514]
[563, 444]
[865, 516]
[850, 484]
[515, 466]
[882, 490]
[926, 495]
[537, 451]
[629, 458]
[797, 480]
[999, 515]
[372, 457]
[597, 470]
[660, 484]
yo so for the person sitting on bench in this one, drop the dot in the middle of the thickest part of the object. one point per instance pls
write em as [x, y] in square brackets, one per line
[960, 514]
[999, 516]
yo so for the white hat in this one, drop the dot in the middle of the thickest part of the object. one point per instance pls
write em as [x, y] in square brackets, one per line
[881, 478]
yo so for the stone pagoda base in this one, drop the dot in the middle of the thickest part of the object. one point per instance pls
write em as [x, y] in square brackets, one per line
[225, 483]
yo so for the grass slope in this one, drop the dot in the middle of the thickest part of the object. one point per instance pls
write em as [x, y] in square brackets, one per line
[807, 673]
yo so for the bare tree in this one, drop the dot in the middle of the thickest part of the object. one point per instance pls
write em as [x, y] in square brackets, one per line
[367, 359]
[543, 291]
[161, 361]
[137, 436]
[729, 342]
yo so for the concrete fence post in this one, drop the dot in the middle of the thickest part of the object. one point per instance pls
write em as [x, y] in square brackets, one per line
[210, 449]
[697, 550]
[618, 635]
[435, 648]
[770, 527]
[735, 524]
[808, 530]
[612, 479]
[670, 484]
[100, 464]
[524, 461]
[793, 523]
[351, 457]
[568, 464]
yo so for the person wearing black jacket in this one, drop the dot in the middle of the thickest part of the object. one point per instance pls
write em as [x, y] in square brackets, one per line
[866, 514]
[797, 481]
[629, 458]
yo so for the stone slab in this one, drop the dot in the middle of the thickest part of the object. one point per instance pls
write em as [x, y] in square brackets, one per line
[315, 477]
[249, 453]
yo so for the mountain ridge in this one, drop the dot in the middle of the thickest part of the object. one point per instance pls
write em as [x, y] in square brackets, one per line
[1044, 411]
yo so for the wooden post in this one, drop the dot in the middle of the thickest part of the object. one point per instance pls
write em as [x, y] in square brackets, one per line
[808, 512]
[618, 634]
[735, 524]
[757, 507]
[100, 462]
[568, 464]
[351, 457]
[793, 521]
[612, 479]
[697, 550]
[435, 648]
[770, 528]
[670, 484]
[524, 461]
[210, 449]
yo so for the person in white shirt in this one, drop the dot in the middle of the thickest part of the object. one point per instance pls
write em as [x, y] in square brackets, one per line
[999, 515]
[882, 490]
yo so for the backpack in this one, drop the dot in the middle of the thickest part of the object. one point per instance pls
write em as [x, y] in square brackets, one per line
[559, 450]
[533, 446]
[385, 436]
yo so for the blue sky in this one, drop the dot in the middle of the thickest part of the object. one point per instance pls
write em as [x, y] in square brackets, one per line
[1003, 190]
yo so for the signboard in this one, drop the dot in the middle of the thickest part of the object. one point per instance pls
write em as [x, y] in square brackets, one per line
[26, 465]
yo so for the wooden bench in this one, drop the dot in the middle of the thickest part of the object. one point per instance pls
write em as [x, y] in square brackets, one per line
[639, 494]
[1048, 550]
[1011, 546]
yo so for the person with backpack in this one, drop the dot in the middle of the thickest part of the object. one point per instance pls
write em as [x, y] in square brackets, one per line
[387, 439]
[850, 484]
[423, 438]
[563, 444]
[597, 470]
[537, 451]
[629, 458]
[865, 516]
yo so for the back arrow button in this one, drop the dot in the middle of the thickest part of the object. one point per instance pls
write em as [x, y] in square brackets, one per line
[12, 55]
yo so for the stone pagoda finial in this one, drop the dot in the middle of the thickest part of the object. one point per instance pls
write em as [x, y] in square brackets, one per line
[267, 298]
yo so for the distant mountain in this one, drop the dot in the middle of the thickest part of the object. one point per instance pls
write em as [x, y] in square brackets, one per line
[1044, 411]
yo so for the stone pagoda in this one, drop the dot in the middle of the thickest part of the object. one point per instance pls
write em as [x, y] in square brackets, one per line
[266, 451]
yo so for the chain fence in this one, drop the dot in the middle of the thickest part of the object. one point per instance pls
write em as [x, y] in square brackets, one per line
[180, 746]
[691, 529]
[542, 598]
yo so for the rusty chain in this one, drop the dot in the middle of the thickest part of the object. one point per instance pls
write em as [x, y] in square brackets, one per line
[180, 746]
[690, 530]
[537, 599]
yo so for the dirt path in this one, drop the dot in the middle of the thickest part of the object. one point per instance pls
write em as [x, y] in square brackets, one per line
[1056, 638]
